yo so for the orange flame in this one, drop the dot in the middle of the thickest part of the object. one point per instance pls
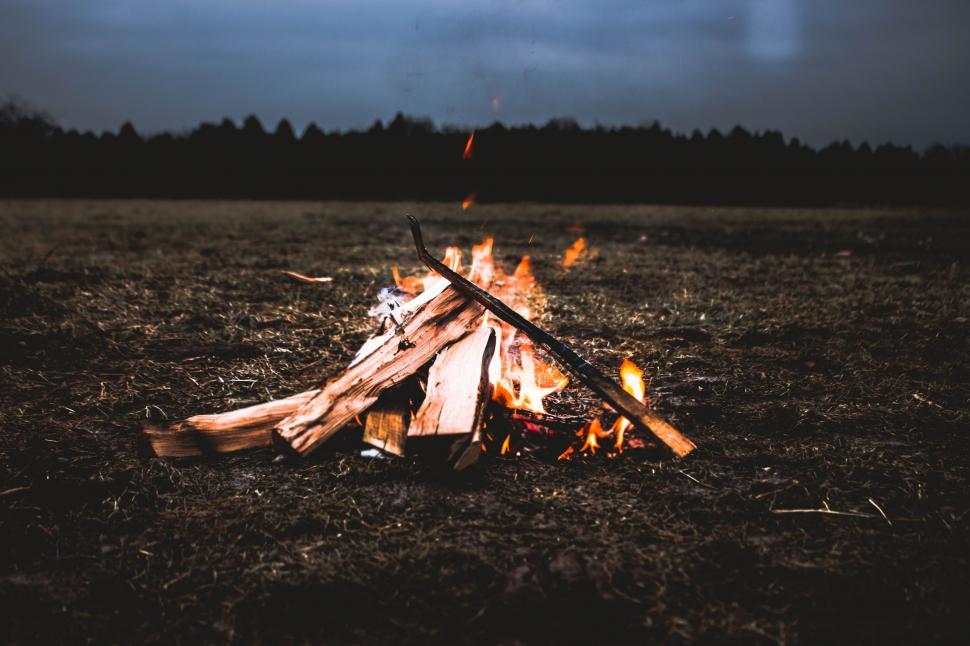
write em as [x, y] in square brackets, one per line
[468, 146]
[468, 201]
[593, 432]
[418, 284]
[519, 378]
[632, 378]
[523, 381]
[483, 264]
[572, 254]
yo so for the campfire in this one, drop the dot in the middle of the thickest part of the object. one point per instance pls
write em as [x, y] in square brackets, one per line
[455, 357]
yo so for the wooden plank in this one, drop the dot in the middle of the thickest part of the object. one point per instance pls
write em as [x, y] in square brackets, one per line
[246, 428]
[458, 387]
[386, 426]
[458, 393]
[400, 352]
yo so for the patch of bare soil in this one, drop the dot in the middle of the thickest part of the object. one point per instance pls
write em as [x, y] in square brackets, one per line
[818, 358]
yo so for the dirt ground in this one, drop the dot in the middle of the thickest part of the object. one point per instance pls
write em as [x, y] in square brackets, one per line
[818, 358]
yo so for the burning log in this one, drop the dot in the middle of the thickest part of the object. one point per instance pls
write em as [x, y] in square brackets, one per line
[246, 428]
[395, 355]
[424, 323]
[620, 400]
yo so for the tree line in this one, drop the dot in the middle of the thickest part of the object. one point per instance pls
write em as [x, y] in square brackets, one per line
[411, 158]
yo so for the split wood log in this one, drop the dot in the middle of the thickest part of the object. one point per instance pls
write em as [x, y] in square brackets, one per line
[393, 317]
[458, 392]
[458, 388]
[386, 425]
[246, 428]
[398, 354]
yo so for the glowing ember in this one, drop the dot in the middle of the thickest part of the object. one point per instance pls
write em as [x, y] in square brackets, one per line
[593, 432]
[496, 103]
[572, 254]
[468, 201]
[505, 445]
[518, 377]
[468, 146]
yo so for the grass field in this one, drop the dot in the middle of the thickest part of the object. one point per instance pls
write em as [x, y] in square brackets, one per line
[816, 357]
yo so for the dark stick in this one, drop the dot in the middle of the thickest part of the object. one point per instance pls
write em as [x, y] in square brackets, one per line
[621, 401]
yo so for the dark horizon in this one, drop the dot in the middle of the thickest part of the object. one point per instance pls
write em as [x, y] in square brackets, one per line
[412, 158]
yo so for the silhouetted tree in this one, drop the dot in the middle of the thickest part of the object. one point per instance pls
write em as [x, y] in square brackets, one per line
[252, 127]
[284, 132]
[312, 134]
[411, 158]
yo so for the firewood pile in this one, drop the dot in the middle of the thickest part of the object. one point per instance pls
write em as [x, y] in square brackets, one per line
[453, 361]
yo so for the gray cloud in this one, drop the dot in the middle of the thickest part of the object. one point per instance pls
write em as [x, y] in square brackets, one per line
[819, 69]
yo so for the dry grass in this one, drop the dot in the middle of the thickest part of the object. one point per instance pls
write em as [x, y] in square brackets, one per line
[817, 357]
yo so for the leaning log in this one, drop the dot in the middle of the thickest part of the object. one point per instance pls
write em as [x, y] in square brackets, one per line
[458, 392]
[458, 388]
[246, 428]
[398, 354]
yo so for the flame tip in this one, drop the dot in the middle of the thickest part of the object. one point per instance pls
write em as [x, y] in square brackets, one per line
[518, 376]
[573, 252]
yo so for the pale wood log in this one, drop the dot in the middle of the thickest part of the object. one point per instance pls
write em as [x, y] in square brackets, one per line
[458, 387]
[395, 317]
[386, 425]
[458, 393]
[246, 428]
[400, 352]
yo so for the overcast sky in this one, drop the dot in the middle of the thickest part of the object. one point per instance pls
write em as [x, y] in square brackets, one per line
[872, 70]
